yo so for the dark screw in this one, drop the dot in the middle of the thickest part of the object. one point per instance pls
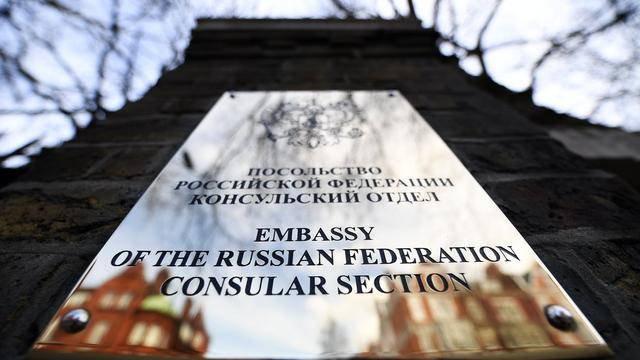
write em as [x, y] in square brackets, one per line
[560, 318]
[75, 320]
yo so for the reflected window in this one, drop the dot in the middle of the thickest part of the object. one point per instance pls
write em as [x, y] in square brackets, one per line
[106, 301]
[489, 338]
[459, 335]
[154, 336]
[186, 333]
[524, 335]
[508, 310]
[416, 308]
[137, 334]
[124, 301]
[533, 335]
[77, 299]
[442, 307]
[198, 341]
[475, 310]
[97, 333]
[425, 338]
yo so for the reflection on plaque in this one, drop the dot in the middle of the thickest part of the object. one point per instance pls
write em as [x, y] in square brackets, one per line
[317, 225]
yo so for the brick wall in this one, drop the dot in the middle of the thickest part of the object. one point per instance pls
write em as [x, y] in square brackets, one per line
[56, 215]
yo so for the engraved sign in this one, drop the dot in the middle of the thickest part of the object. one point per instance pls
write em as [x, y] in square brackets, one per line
[317, 225]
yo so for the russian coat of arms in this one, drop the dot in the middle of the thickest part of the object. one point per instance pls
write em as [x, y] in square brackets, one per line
[310, 124]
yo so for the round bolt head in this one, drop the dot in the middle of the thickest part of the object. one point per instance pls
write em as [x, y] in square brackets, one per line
[560, 318]
[75, 320]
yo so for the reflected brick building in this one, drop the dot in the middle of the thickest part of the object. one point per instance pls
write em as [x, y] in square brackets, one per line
[129, 315]
[502, 313]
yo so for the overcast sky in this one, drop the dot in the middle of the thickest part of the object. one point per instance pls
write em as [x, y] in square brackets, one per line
[571, 83]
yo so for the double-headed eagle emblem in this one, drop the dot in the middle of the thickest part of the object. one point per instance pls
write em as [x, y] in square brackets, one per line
[312, 125]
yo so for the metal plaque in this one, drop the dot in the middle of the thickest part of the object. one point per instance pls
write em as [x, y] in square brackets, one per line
[317, 225]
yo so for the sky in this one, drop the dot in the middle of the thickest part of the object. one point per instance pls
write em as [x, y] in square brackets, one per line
[570, 83]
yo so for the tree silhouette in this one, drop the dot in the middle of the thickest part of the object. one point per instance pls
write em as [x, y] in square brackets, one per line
[600, 47]
[588, 66]
[65, 64]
